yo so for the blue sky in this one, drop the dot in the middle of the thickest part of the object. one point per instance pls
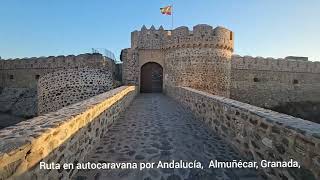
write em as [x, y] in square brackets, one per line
[268, 28]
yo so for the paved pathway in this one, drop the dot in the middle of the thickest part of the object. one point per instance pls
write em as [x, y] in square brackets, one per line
[156, 128]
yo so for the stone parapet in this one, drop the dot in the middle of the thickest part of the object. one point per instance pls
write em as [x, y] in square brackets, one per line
[64, 136]
[272, 64]
[202, 35]
[25, 72]
[258, 133]
[53, 62]
[268, 82]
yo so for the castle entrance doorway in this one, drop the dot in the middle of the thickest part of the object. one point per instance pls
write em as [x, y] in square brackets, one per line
[151, 79]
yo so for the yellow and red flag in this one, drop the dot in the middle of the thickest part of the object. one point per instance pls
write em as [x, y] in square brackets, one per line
[166, 10]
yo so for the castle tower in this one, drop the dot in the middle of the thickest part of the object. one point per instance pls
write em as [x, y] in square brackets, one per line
[146, 48]
[199, 59]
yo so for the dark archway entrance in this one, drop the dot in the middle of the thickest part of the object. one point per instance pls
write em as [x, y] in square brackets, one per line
[151, 78]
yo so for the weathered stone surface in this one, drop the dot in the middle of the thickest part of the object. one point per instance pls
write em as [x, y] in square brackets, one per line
[66, 87]
[26, 105]
[171, 127]
[25, 72]
[8, 97]
[293, 138]
[19, 79]
[268, 82]
[200, 58]
[307, 110]
[9, 120]
[19, 102]
[66, 135]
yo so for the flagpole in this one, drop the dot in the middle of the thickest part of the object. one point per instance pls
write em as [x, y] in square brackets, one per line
[172, 16]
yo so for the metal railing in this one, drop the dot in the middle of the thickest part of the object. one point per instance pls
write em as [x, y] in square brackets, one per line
[105, 52]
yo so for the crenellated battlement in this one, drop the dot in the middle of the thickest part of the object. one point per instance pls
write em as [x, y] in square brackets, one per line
[54, 62]
[201, 36]
[25, 72]
[272, 64]
[199, 58]
[148, 38]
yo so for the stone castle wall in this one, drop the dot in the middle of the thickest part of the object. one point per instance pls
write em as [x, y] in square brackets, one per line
[64, 136]
[22, 75]
[200, 58]
[66, 87]
[25, 73]
[130, 67]
[20, 102]
[307, 110]
[268, 82]
[258, 133]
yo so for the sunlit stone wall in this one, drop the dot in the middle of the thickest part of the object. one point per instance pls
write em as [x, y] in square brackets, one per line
[64, 136]
[258, 133]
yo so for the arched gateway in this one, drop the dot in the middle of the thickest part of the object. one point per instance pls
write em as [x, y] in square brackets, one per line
[151, 78]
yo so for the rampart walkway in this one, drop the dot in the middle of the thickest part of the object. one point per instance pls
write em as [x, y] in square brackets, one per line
[155, 128]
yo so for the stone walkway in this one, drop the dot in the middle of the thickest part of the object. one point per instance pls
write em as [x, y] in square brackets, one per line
[156, 128]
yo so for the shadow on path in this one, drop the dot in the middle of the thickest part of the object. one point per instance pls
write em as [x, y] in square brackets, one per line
[155, 128]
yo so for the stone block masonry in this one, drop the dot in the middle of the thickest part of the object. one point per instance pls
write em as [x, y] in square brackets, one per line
[155, 129]
[202, 59]
[19, 79]
[66, 87]
[305, 110]
[199, 58]
[24, 73]
[64, 136]
[258, 133]
[130, 67]
[21, 102]
[268, 82]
